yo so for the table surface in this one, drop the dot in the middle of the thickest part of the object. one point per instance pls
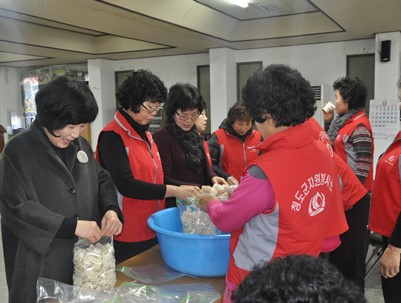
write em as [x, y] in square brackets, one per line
[153, 256]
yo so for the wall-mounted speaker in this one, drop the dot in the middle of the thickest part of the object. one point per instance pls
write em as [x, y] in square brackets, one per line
[385, 51]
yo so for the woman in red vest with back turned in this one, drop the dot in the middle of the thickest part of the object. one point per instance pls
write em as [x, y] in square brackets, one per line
[288, 201]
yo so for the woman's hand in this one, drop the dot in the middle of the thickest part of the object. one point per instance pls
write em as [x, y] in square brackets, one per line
[219, 180]
[111, 224]
[390, 261]
[88, 230]
[231, 180]
[186, 191]
[328, 116]
[205, 200]
[206, 189]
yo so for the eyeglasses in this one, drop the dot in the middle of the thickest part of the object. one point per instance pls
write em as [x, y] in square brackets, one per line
[152, 110]
[185, 117]
[260, 119]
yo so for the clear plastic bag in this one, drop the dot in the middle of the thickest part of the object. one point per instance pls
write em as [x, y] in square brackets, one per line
[194, 220]
[94, 264]
[53, 291]
[151, 273]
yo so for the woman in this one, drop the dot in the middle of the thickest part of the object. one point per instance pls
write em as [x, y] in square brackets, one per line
[127, 150]
[385, 216]
[351, 137]
[350, 132]
[180, 145]
[288, 200]
[234, 145]
[201, 124]
[52, 191]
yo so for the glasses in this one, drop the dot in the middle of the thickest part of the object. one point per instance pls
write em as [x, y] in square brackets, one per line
[260, 119]
[152, 110]
[185, 117]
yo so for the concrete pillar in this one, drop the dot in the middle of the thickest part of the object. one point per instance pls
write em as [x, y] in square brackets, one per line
[223, 79]
[102, 84]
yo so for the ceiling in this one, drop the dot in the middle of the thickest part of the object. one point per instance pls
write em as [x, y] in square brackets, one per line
[46, 32]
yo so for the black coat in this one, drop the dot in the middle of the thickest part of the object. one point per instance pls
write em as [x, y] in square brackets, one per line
[37, 191]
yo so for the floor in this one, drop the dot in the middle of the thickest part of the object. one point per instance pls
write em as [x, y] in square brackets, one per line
[372, 287]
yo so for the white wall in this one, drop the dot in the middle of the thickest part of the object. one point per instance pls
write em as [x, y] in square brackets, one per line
[170, 69]
[318, 63]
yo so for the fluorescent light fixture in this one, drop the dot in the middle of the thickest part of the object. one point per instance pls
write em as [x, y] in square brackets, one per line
[241, 3]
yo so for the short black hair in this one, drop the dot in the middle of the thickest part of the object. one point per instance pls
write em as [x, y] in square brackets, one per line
[282, 92]
[65, 101]
[238, 112]
[183, 96]
[297, 279]
[140, 86]
[353, 91]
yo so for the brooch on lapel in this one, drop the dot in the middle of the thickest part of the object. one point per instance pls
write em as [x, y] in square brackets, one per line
[82, 156]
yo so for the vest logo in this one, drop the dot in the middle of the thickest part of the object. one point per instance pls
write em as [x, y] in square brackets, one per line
[390, 160]
[317, 204]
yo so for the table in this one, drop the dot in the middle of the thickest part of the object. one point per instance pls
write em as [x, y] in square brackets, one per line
[153, 256]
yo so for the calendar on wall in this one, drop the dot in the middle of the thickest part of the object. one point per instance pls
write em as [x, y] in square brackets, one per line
[384, 116]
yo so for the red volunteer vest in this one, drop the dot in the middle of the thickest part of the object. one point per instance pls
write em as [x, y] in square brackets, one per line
[385, 203]
[342, 138]
[351, 188]
[237, 154]
[308, 204]
[207, 153]
[145, 164]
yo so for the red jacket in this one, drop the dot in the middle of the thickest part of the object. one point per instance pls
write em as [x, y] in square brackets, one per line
[386, 193]
[145, 165]
[307, 207]
[236, 155]
[341, 141]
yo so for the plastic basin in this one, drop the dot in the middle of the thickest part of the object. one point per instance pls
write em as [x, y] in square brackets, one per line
[197, 255]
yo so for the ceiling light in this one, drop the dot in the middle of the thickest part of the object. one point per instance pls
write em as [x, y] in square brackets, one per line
[241, 3]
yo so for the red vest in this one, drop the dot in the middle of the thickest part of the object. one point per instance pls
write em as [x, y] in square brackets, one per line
[386, 193]
[207, 153]
[307, 206]
[351, 188]
[236, 155]
[145, 164]
[341, 141]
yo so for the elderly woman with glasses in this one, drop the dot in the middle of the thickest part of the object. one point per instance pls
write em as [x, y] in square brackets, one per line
[181, 147]
[127, 150]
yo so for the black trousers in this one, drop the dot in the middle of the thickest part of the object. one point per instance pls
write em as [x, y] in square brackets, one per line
[126, 250]
[350, 256]
[391, 286]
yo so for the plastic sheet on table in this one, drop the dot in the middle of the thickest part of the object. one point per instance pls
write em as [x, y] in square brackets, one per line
[53, 291]
[150, 274]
